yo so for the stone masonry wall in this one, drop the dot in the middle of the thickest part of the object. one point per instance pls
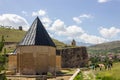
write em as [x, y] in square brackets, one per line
[73, 57]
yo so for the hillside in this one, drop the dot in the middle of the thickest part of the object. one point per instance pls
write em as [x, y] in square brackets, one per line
[13, 35]
[113, 47]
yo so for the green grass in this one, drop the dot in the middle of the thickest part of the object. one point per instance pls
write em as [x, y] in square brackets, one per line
[91, 76]
[11, 35]
[112, 74]
[14, 35]
[59, 44]
[79, 76]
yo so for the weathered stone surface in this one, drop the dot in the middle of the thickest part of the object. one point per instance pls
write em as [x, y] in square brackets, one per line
[73, 57]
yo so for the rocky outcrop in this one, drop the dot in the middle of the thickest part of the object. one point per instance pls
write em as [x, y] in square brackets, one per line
[73, 57]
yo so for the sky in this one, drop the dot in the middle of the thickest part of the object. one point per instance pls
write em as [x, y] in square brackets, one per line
[89, 21]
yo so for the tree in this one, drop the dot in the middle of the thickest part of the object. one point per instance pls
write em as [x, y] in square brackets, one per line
[2, 60]
[2, 43]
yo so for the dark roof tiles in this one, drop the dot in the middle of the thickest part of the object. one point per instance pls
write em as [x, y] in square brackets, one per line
[37, 35]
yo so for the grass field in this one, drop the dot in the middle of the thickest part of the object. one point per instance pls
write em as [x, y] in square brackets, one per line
[11, 35]
[14, 35]
[113, 74]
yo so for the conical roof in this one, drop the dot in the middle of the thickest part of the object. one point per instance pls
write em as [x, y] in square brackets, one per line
[37, 35]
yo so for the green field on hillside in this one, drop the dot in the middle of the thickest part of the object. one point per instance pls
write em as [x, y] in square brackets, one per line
[11, 35]
[108, 47]
[14, 35]
[112, 74]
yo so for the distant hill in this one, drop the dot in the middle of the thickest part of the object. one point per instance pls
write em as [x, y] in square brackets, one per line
[112, 47]
[14, 36]
[83, 44]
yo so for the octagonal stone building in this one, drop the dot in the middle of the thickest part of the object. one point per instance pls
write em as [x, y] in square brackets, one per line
[36, 53]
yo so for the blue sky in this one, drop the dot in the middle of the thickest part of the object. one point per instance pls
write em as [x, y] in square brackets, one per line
[90, 21]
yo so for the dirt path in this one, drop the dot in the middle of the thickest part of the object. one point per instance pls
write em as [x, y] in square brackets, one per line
[88, 75]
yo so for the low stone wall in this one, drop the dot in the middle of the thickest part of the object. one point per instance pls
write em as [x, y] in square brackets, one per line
[73, 57]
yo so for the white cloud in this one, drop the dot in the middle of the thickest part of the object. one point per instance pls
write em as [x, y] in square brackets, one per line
[61, 29]
[109, 33]
[13, 20]
[77, 20]
[74, 31]
[51, 35]
[85, 16]
[58, 25]
[103, 1]
[71, 32]
[92, 39]
[46, 21]
[39, 13]
[44, 17]
[58, 28]
[24, 13]
[82, 17]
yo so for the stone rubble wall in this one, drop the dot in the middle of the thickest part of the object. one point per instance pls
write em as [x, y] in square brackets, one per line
[73, 57]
